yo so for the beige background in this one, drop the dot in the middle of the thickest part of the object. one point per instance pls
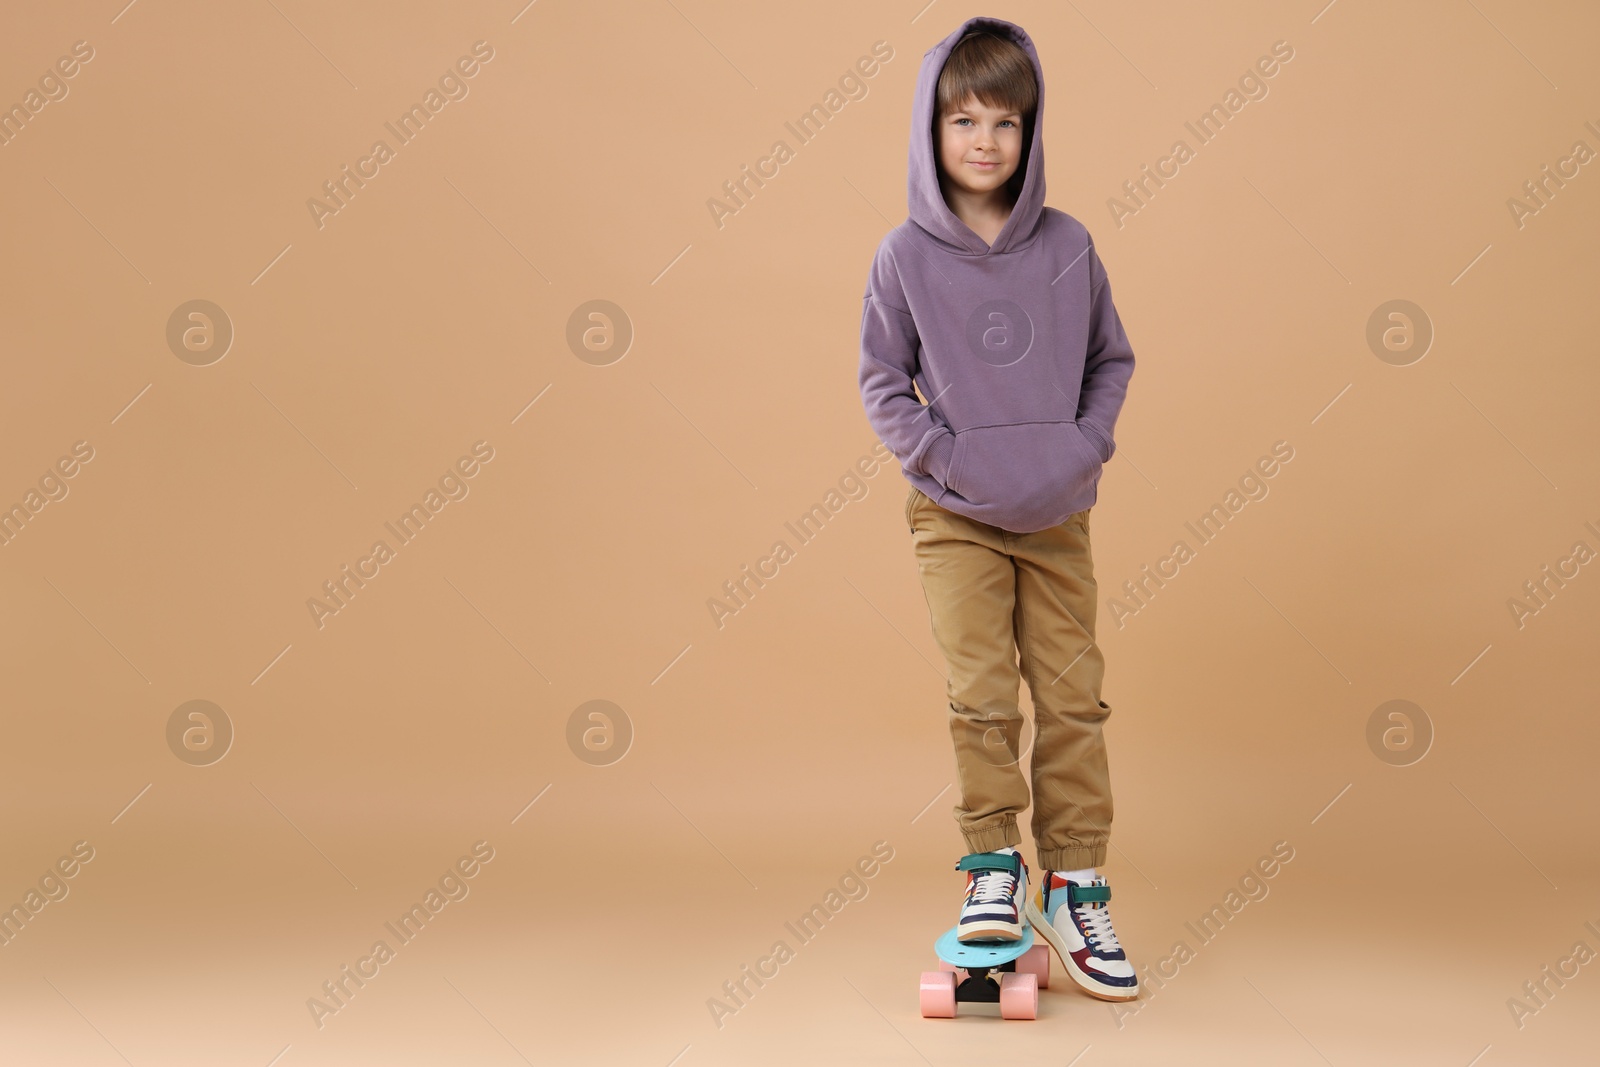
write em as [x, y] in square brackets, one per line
[769, 754]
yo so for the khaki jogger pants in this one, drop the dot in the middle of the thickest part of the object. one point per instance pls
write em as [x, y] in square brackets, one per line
[991, 594]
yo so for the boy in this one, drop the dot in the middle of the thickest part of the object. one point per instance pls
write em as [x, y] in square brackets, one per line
[998, 309]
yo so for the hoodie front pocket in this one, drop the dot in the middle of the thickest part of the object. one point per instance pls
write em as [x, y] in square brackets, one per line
[1024, 461]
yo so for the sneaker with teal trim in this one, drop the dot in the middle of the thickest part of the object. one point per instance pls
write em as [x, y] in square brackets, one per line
[997, 885]
[1075, 917]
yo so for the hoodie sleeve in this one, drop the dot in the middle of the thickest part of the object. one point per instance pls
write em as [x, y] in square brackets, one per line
[1108, 362]
[889, 349]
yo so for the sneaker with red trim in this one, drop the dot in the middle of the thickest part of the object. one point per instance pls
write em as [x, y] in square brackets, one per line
[997, 885]
[1075, 918]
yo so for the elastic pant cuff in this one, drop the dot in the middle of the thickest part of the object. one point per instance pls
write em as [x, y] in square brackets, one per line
[994, 838]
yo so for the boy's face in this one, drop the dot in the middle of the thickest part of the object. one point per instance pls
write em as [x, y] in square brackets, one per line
[976, 135]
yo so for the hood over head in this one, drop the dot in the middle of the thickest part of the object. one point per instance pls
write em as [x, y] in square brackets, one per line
[926, 203]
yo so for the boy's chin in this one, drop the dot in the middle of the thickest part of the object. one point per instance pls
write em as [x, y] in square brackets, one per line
[983, 185]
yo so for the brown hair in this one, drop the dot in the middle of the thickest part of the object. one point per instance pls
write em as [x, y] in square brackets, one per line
[991, 69]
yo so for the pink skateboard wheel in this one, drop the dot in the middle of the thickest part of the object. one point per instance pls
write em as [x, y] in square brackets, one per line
[938, 995]
[1019, 996]
[1036, 961]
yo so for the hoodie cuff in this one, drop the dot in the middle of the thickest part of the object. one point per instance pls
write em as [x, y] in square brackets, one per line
[1101, 443]
[936, 460]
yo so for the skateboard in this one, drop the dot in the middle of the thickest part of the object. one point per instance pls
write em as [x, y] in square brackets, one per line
[1008, 973]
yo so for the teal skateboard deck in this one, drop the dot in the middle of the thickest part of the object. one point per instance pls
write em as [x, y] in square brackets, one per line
[988, 955]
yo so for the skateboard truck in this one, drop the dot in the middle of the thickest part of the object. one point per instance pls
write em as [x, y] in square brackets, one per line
[978, 987]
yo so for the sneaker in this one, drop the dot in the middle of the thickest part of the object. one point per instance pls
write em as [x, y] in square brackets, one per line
[1075, 918]
[997, 884]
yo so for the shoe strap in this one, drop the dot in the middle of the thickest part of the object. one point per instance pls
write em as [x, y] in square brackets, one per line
[1088, 894]
[990, 861]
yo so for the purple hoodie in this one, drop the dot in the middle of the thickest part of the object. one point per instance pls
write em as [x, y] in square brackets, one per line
[1016, 345]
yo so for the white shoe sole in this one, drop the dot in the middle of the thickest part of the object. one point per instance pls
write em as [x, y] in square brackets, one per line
[990, 930]
[1042, 927]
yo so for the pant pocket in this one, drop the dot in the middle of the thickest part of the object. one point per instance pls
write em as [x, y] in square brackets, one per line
[1078, 520]
[911, 499]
